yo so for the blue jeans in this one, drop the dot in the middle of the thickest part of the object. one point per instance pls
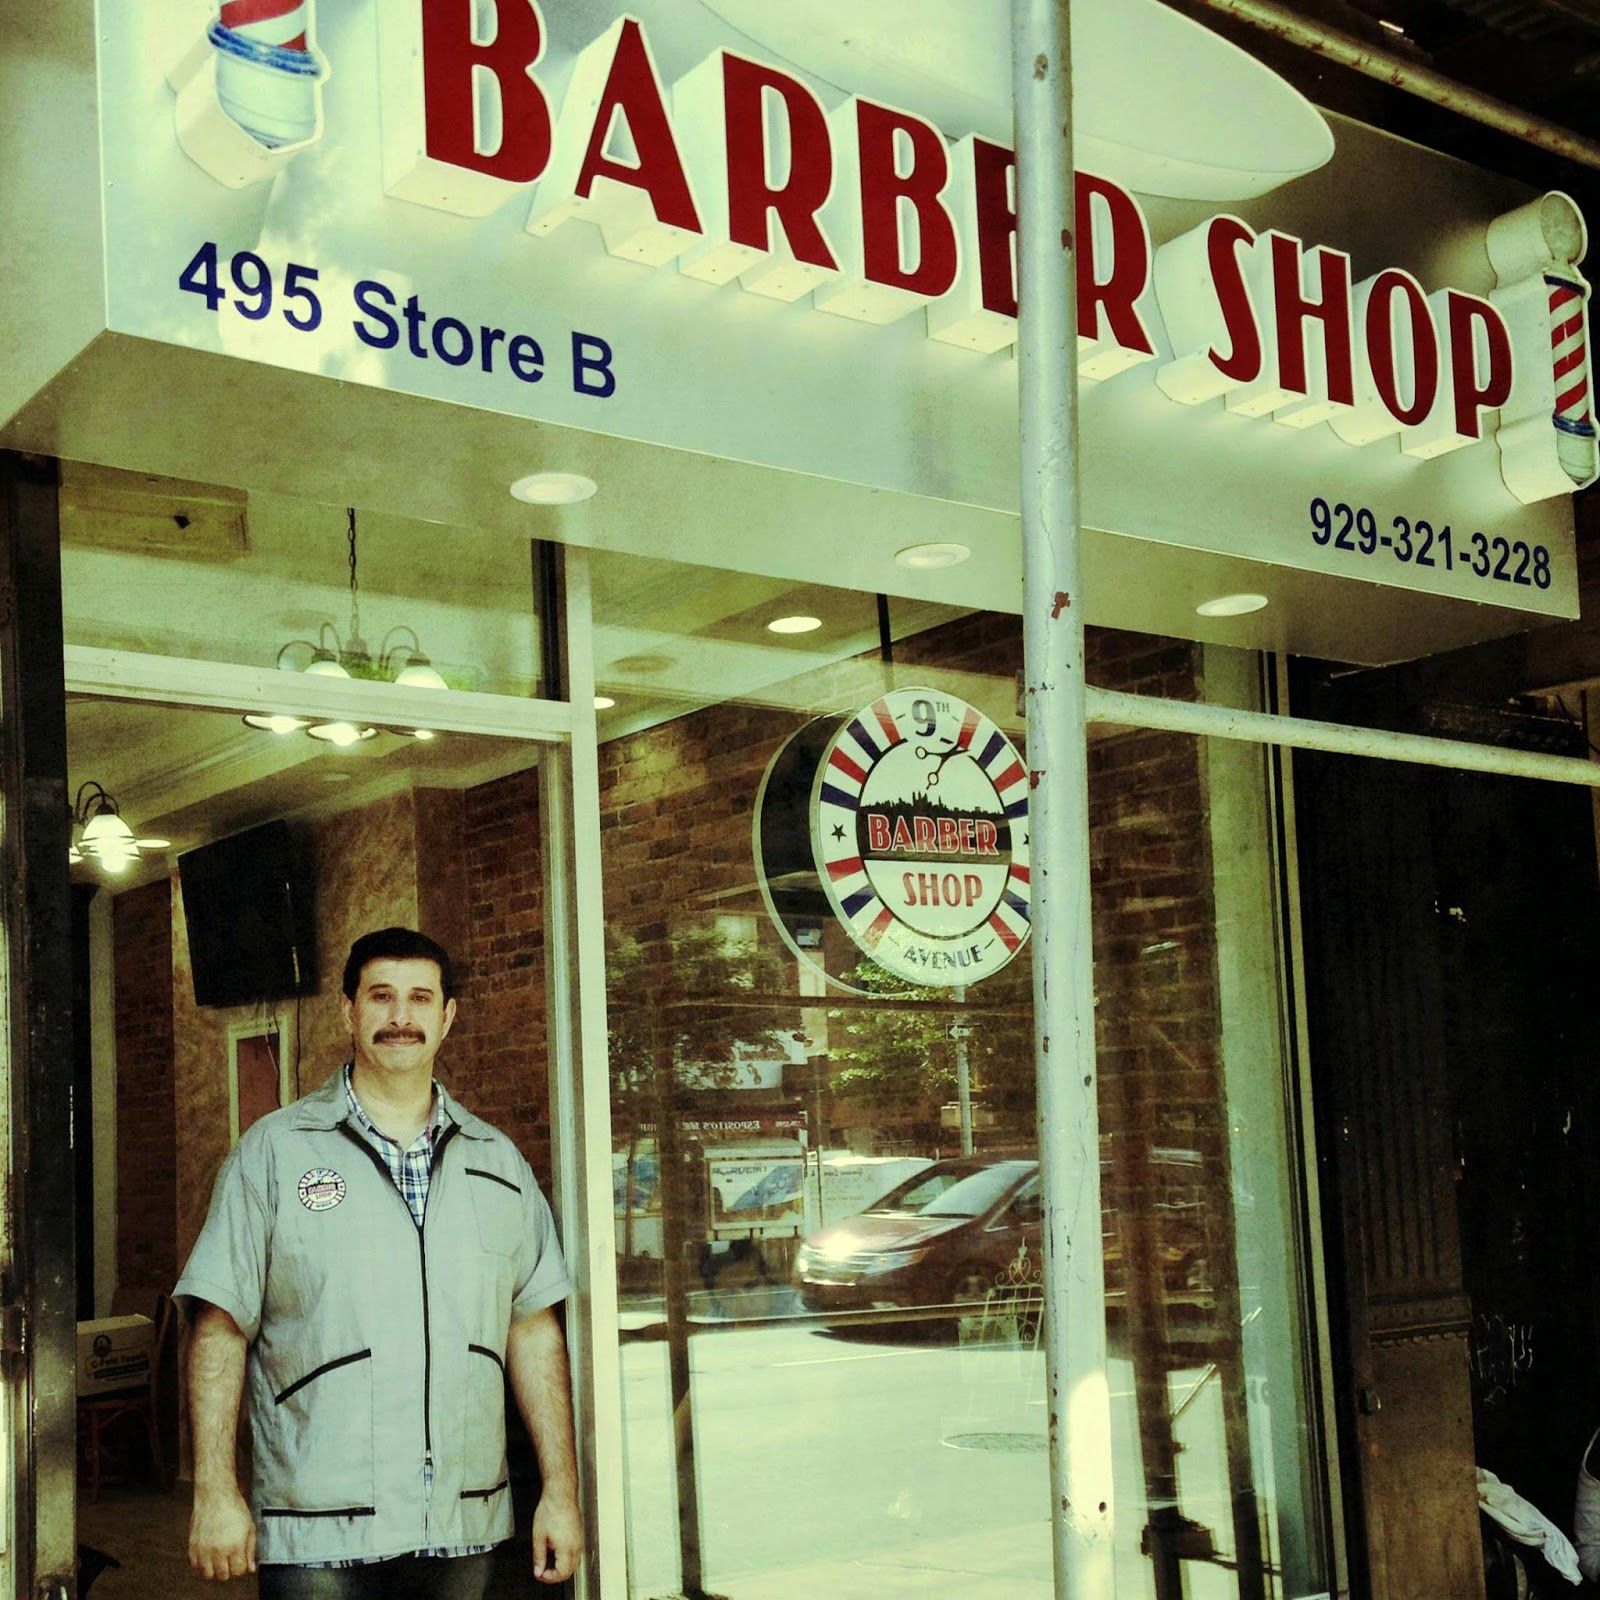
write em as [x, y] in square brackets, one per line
[403, 1578]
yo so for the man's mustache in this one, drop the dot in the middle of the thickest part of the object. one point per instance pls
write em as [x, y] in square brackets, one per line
[399, 1036]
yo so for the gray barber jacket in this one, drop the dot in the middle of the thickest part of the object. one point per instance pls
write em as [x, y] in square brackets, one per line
[374, 1345]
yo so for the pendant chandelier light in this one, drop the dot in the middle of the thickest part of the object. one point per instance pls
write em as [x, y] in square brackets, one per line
[101, 836]
[330, 657]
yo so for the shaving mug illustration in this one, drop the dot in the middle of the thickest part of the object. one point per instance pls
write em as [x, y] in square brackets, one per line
[250, 90]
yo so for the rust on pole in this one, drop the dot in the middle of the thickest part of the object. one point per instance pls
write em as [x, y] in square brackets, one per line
[1063, 956]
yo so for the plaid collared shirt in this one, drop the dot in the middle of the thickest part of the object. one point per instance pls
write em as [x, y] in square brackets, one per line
[412, 1170]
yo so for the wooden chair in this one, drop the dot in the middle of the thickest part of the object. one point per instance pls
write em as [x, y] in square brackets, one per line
[97, 1414]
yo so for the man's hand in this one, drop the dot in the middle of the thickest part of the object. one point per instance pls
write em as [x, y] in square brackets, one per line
[536, 1360]
[222, 1538]
[557, 1538]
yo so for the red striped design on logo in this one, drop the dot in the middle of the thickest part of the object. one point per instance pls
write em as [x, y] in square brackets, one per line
[1009, 776]
[1573, 398]
[879, 924]
[1007, 937]
[1020, 872]
[1562, 331]
[1569, 353]
[254, 19]
[844, 869]
[969, 726]
[886, 722]
[843, 762]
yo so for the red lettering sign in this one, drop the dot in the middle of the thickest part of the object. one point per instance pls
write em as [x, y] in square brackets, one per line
[633, 95]
[748, 88]
[921, 257]
[513, 141]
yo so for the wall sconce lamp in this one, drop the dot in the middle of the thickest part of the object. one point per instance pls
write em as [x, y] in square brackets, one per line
[99, 834]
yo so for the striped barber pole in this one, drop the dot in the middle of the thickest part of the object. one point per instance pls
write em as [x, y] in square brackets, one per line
[919, 833]
[1573, 416]
[1569, 351]
[280, 24]
[268, 76]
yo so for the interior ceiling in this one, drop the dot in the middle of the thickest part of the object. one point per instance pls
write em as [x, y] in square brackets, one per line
[193, 776]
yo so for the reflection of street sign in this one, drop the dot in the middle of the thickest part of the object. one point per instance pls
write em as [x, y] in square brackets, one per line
[958, 1030]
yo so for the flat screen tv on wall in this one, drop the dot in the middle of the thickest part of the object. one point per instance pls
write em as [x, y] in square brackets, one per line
[248, 903]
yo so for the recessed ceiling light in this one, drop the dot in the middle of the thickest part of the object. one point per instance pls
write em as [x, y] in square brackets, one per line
[553, 488]
[920, 556]
[1231, 605]
[794, 624]
[603, 702]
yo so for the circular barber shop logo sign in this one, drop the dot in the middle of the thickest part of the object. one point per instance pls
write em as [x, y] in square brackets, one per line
[919, 823]
[321, 1189]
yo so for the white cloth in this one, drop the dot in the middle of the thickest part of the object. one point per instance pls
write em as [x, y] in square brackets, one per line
[1586, 1516]
[1528, 1525]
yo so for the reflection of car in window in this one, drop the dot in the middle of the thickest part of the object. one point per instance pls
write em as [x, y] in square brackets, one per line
[949, 1233]
[944, 1235]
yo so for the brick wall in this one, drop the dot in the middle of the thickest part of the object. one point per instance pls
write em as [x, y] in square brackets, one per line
[463, 867]
[501, 1068]
[676, 800]
[147, 1178]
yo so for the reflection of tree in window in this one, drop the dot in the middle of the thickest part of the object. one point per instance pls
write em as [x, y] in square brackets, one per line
[902, 1062]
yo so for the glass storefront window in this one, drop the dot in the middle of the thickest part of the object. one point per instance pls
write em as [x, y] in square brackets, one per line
[826, 1171]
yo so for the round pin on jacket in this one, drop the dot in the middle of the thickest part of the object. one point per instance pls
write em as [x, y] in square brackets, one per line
[321, 1189]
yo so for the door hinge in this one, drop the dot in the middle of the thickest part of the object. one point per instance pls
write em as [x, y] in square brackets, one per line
[13, 1331]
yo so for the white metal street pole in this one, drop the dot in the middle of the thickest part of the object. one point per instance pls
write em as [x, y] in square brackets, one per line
[1058, 820]
[960, 1031]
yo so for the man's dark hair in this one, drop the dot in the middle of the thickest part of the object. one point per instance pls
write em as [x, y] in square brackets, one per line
[397, 944]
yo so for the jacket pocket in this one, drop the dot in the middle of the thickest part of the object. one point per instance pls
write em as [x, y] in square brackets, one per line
[497, 1205]
[484, 1483]
[321, 1437]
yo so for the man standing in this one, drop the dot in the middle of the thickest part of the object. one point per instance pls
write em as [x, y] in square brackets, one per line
[376, 1262]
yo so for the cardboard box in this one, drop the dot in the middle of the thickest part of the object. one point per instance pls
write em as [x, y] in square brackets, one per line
[114, 1353]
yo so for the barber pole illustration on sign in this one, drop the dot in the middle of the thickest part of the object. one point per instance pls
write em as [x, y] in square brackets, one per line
[250, 92]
